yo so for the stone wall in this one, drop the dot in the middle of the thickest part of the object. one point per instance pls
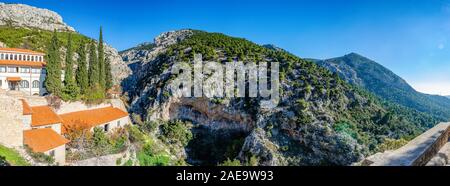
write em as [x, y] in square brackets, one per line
[434, 148]
[68, 107]
[11, 133]
[418, 152]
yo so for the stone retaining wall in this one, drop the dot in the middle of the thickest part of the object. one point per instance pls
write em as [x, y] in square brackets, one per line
[417, 152]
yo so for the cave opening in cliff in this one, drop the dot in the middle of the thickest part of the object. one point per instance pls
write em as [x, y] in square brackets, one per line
[212, 147]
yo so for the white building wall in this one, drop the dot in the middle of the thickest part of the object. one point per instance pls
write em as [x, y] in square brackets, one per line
[55, 127]
[25, 76]
[119, 123]
[59, 154]
[26, 73]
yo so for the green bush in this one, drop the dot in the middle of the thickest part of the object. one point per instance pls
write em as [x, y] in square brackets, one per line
[40, 157]
[176, 132]
[391, 144]
[147, 156]
[229, 162]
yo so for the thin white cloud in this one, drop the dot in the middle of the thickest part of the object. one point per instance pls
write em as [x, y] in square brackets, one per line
[438, 88]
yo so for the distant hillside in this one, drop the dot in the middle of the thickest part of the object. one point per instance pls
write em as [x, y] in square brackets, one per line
[379, 80]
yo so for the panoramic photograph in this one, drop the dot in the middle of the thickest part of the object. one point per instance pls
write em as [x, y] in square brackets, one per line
[352, 83]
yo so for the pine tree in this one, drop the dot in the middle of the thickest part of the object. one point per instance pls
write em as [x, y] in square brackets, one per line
[53, 68]
[108, 76]
[82, 72]
[101, 61]
[93, 66]
[70, 91]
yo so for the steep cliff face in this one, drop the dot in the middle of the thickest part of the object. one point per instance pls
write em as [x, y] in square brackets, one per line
[29, 27]
[320, 120]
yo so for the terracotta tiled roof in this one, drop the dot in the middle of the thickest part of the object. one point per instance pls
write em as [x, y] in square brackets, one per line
[22, 63]
[44, 115]
[14, 79]
[43, 140]
[26, 108]
[91, 118]
[21, 51]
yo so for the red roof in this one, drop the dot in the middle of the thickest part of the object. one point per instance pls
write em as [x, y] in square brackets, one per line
[44, 115]
[21, 50]
[14, 79]
[91, 118]
[43, 140]
[26, 108]
[22, 63]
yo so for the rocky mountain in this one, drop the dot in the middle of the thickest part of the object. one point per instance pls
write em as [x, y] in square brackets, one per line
[370, 75]
[20, 15]
[29, 27]
[320, 120]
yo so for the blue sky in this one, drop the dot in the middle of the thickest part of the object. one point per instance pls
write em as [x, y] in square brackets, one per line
[410, 37]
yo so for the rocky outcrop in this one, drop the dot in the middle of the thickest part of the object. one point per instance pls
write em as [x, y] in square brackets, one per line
[119, 69]
[20, 15]
[147, 52]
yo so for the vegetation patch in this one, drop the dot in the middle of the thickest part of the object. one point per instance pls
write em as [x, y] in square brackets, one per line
[11, 157]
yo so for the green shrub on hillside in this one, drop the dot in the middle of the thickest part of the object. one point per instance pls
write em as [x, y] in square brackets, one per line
[12, 157]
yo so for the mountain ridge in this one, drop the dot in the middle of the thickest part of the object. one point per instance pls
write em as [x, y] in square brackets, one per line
[321, 119]
[361, 71]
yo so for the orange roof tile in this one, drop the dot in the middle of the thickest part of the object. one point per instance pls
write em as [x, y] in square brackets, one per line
[14, 79]
[43, 140]
[44, 115]
[26, 108]
[21, 50]
[91, 118]
[22, 63]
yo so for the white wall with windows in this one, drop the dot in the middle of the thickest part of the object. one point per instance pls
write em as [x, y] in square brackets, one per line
[21, 57]
[25, 68]
[32, 79]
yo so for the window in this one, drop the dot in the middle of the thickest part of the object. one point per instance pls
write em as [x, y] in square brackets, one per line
[35, 84]
[36, 70]
[24, 70]
[106, 127]
[6, 56]
[15, 56]
[52, 153]
[2, 56]
[20, 57]
[13, 69]
[32, 58]
[24, 84]
[28, 58]
[118, 123]
[2, 69]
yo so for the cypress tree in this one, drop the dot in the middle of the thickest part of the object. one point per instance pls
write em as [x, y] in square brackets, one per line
[101, 61]
[93, 66]
[70, 89]
[82, 72]
[108, 76]
[53, 68]
[68, 75]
